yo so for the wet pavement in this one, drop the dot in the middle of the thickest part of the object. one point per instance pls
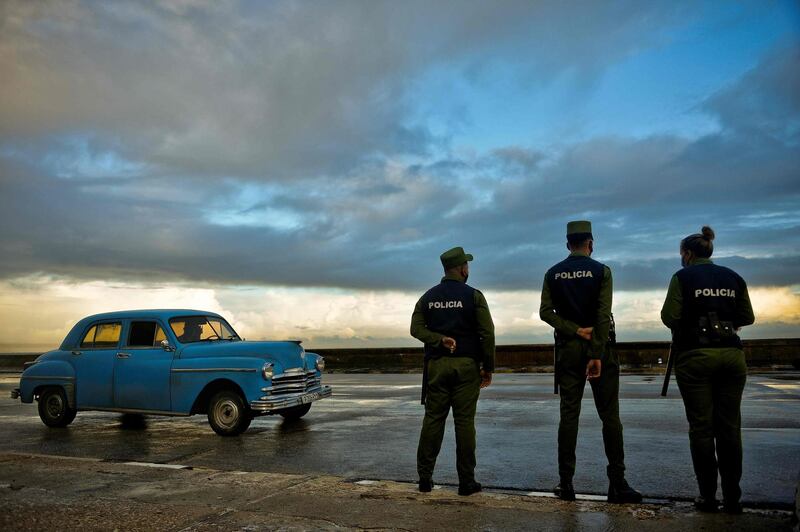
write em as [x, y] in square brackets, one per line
[369, 429]
[40, 492]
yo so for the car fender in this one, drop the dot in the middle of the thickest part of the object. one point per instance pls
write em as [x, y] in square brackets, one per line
[189, 377]
[48, 373]
[311, 361]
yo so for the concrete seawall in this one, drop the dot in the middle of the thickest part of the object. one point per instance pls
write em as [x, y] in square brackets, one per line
[782, 353]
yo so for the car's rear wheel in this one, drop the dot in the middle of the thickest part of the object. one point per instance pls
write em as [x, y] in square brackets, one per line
[227, 413]
[295, 412]
[54, 410]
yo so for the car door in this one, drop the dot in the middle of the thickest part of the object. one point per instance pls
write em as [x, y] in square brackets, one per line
[142, 368]
[93, 361]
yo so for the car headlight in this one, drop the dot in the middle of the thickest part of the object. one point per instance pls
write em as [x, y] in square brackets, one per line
[320, 363]
[268, 370]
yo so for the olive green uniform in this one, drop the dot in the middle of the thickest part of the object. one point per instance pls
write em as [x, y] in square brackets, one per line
[572, 354]
[453, 382]
[711, 381]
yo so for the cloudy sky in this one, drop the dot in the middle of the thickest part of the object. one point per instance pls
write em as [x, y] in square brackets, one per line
[299, 166]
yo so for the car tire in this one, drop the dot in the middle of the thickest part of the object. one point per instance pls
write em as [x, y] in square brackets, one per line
[54, 410]
[227, 413]
[295, 412]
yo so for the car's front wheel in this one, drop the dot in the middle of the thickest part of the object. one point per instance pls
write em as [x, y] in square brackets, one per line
[227, 413]
[295, 412]
[54, 410]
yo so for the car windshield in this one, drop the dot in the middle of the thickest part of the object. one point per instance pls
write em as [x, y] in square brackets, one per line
[189, 329]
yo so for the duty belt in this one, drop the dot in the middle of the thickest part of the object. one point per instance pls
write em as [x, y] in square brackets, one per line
[710, 331]
[714, 331]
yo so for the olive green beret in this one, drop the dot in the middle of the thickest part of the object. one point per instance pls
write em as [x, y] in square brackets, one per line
[454, 257]
[579, 228]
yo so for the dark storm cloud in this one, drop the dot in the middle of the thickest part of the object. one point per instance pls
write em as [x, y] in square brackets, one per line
[277, 90]
[767, 101]
[269, 145]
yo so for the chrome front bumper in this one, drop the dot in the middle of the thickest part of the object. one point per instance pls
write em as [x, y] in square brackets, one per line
[288, 401]
[15, 393]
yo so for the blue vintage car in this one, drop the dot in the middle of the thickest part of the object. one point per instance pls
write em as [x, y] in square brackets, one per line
[175, 363]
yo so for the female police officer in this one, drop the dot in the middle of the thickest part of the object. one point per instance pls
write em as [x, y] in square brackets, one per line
[705, 307]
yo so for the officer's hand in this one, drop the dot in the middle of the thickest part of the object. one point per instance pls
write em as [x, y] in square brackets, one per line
[585, 332]
[486, 378]
[449, 343]
[593, 369]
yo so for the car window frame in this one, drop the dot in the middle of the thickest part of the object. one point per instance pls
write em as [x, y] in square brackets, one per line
[84, 335]
[129, 327]
[96, 323]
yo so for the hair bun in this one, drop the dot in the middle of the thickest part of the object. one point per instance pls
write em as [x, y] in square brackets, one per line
[708, 233]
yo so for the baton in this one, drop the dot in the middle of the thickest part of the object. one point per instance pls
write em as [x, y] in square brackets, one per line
[668, 374]
[424, 394]
[555, 364]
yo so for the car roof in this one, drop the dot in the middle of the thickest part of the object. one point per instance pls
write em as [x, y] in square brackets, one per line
[73, 336]
[148, 313]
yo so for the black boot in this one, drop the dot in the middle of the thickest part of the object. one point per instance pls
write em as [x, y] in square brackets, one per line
[565, 491]
[621, 492]
[425, 485]
[706, 504]
[469, 488]
[734, 508]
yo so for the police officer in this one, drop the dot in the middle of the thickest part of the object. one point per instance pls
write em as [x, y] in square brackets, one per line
[452, 319]
[705, 307]
[576, 302]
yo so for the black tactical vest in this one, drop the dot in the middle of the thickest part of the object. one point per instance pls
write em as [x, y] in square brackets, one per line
[708, 315]
[449, 309]
[575, 287]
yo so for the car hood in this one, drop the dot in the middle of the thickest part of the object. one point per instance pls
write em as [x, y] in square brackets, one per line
[285, 355]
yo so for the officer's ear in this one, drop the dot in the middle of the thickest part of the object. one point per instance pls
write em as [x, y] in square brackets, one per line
[568, 248]
[591, 246]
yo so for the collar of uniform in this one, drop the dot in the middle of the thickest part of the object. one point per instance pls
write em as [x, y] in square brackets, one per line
[578, 254]
[450, 277]
[698, 260]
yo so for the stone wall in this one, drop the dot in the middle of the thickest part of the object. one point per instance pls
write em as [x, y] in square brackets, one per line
[783, 353]
[769, 354]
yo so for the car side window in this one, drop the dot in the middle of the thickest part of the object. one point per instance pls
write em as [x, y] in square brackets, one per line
[88, 340]
[107, 334]
[145, 334]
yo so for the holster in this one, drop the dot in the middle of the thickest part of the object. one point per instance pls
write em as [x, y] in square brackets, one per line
[612, 332]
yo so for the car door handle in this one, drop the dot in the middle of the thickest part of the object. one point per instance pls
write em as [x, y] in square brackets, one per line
[123, 355]
[76, 353]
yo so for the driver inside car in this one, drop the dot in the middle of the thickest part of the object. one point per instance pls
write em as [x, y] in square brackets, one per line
[192, 331]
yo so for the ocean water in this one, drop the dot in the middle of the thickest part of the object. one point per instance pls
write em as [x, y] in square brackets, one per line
[19, 349]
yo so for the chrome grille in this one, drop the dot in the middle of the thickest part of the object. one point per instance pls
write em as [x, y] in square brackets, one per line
[294, 380]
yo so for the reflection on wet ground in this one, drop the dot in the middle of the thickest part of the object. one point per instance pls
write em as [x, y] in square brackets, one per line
[132, 422]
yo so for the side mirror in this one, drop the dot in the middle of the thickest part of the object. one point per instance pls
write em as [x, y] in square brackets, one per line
[166, 347]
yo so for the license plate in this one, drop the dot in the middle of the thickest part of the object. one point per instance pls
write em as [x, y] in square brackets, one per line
[308, 398]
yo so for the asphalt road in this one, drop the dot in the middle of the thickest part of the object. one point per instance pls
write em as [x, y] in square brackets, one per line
[369, 429]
